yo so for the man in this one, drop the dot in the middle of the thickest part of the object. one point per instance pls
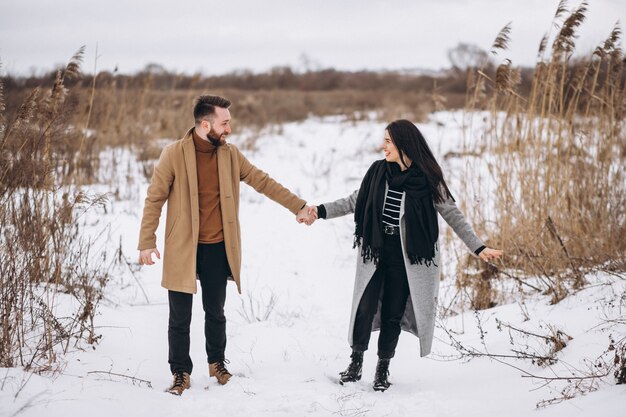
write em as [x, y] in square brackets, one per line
[199, 177]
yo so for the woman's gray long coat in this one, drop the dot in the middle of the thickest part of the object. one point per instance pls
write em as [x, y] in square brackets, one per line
[419, 314]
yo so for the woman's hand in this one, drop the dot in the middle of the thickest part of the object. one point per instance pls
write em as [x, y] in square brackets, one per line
[307, 215]
[313, 214]
[488, 254]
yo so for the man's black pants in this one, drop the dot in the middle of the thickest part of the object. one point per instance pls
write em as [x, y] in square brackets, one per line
[390, 276]
[212, 269]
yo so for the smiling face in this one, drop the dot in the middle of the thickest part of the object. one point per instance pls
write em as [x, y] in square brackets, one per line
[390, 150]
[218, 127]
[392, 154]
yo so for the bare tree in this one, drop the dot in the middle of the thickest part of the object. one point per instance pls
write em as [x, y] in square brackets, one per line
[466, 56]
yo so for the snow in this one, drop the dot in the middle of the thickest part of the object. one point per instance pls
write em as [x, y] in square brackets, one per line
[288, 364]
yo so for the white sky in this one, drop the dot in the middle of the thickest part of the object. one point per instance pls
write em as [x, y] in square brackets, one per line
[214, 37]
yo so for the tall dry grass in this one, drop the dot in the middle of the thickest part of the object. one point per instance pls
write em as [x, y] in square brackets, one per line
[124, 108]
[44, 157]
[556, 156]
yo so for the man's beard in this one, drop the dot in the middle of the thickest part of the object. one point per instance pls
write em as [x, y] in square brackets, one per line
[213, 137]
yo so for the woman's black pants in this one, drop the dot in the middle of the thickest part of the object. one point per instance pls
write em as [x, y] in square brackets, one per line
[390, 278]
[212, 269]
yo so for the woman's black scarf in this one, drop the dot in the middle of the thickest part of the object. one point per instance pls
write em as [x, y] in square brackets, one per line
[420, 214]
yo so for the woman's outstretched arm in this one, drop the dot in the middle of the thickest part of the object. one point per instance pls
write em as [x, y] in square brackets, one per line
[337, 208]
[453, 216]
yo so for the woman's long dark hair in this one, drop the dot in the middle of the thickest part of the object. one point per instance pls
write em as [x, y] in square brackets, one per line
[410, 142]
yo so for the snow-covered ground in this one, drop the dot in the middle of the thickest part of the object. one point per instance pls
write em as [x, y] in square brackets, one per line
[287, 364]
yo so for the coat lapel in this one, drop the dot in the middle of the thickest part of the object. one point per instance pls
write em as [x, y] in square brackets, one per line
[189, 153]
[224, 170]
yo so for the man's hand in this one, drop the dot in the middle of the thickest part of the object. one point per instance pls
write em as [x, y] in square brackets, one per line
[488, 254]
[145, 256]
[307, 215]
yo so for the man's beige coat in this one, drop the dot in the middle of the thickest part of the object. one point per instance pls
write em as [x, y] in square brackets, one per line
[175, 181]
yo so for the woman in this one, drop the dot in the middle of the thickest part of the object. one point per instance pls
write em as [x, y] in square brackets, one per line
[397, 275]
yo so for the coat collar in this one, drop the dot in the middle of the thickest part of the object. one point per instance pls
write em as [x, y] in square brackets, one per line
[223, 163]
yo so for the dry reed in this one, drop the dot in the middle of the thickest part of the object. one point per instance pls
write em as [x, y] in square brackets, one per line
[44, 257]
[556, 158]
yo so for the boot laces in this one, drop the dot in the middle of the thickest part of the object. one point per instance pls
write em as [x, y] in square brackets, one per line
[353, 367]
[220, 367]
[179, 379]
[382, 368]
[355, 363]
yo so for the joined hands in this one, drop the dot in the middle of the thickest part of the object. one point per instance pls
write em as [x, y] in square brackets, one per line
[307, 215]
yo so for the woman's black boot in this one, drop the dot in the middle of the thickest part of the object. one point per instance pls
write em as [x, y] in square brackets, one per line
[353, 373]
[381, 381]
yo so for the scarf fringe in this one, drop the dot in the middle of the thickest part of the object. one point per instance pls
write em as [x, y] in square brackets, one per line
[369, 254]
[419, 260]
[357, 241]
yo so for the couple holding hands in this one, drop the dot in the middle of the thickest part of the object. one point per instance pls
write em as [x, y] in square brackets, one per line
[395, 212]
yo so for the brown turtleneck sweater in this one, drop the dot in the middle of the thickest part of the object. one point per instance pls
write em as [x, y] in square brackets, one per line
[211, 230]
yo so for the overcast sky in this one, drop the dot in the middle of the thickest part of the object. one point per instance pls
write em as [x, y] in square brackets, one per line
[215, 37]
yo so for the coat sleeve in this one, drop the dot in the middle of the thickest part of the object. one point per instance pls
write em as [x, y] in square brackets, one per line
[158, 192]
[453, 216]
[342, 206]
[266, 185]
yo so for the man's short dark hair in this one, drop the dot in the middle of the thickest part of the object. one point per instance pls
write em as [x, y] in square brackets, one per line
[205, 106]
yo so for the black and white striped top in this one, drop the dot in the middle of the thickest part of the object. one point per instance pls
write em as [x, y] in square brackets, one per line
[391, 209]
